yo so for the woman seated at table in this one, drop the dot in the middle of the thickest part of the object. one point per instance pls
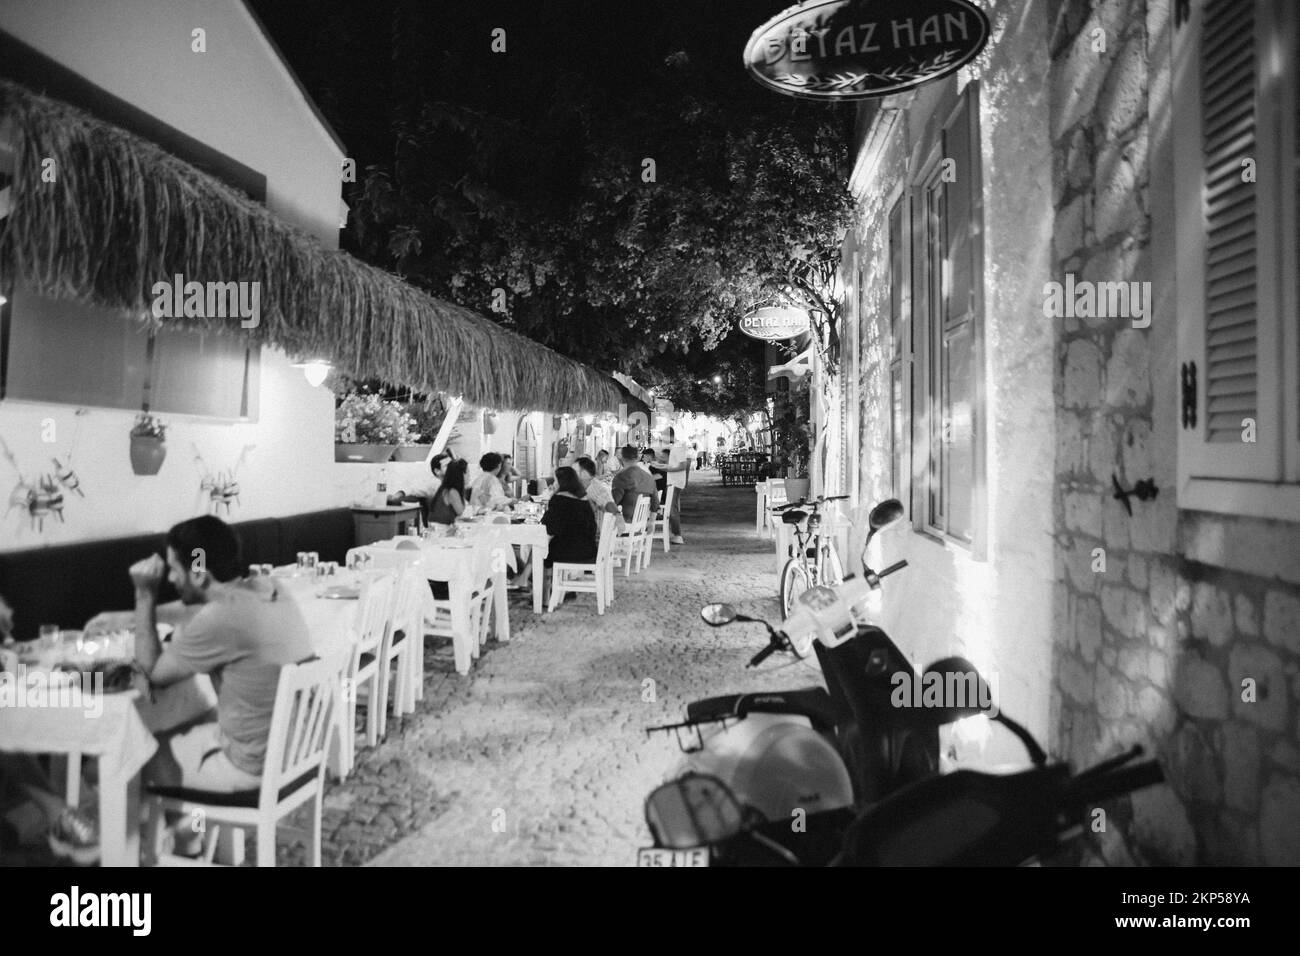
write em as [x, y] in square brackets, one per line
[571, 525]
[449, 500]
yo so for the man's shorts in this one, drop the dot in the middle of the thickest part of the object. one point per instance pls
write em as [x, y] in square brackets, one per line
[204, 765]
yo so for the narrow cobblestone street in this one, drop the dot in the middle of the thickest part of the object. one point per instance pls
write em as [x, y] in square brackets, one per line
[540, 755]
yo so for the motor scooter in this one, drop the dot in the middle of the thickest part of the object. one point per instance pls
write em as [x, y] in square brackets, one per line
[963, 818]
[818, 754]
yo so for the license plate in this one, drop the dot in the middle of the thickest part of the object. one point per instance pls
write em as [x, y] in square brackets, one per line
[657, 856]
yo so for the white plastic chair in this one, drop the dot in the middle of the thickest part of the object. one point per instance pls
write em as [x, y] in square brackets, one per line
[660, 527]
[306, 701]
[572, 577]
[373, 645]
[630, 547]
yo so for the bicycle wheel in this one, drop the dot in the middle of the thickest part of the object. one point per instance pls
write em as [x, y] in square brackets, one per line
[794, 581]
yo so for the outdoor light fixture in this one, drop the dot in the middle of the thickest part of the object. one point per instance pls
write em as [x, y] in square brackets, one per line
[314, 370]
[717, 380]
[3, 300]
[588, 419]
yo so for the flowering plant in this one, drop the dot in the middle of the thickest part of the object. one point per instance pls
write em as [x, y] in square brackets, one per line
[369, 420]
[147, 426]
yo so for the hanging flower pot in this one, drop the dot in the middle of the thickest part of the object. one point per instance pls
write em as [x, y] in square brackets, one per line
[148, 444]
[557, 422]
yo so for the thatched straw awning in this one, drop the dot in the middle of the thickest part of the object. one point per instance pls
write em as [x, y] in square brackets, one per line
[123, 215]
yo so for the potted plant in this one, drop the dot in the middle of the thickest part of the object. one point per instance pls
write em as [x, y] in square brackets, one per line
[425, 423]
[368, 429]
[148, 444]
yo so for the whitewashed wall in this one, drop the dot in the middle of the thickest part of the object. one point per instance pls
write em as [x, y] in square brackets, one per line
[238, 98]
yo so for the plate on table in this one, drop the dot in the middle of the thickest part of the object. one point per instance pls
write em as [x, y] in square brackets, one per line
[340, 592]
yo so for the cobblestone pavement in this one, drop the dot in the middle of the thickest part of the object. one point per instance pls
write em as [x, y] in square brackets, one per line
[540, 755]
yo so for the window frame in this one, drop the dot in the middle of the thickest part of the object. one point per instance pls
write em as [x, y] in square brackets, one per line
[1264, 481]
[926, 374]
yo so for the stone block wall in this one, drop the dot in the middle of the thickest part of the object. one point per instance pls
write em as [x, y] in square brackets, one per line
[1152, 646]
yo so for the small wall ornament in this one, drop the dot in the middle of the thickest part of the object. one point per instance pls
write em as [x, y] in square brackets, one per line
[148, 444]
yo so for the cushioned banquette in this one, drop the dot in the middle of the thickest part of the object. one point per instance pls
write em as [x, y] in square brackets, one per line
[69, 583]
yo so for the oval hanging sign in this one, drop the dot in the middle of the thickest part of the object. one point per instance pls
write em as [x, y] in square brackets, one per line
[774, 323]
[859, 49]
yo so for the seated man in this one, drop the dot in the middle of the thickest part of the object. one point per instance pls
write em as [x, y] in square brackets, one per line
[599, 494]
[243, 632]
[632, 480]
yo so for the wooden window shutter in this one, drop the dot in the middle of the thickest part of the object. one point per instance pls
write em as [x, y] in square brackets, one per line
[1227, 269]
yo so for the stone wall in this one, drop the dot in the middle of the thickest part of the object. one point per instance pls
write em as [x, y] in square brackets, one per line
[1152, 644]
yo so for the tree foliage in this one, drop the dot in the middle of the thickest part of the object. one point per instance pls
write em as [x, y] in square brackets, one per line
[623, 194]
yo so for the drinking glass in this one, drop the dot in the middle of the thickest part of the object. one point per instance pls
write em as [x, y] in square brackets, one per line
[254, 570]
[302, 559]
[313, 558]
[268, 569]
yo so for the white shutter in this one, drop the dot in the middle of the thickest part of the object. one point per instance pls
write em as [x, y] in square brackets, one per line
[1227, 269]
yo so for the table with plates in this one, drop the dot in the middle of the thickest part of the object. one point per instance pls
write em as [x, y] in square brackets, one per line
[115, 728]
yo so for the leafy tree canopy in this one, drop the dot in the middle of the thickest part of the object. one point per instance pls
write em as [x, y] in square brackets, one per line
[611, 184]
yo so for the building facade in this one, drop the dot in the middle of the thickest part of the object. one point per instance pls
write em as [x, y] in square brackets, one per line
[1071, 291]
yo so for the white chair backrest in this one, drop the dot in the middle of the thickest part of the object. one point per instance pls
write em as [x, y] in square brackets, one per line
[776, 493]
[640, 515]
[376, 610]
[606, 540]
[668, 502]
[301, 722]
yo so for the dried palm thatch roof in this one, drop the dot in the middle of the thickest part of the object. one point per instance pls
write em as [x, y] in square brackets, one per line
[123, 214]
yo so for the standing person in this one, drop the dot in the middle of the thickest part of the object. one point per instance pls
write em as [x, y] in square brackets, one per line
[487, 492]
[677, 469]
[633, 479]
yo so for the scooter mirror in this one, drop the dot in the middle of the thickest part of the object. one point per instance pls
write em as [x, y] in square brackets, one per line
[958, 690]
[693, 810]
[885, 514]
[716, 615]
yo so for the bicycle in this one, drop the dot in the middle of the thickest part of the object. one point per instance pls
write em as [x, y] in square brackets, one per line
[813, 561]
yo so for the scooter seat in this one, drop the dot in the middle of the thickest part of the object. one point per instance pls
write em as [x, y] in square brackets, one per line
[811, 702]
[793, 517]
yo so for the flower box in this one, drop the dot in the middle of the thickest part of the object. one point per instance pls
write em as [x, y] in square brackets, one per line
[357, 452]
[413, 452]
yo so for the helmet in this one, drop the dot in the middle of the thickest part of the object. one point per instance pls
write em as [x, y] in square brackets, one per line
[777, 765]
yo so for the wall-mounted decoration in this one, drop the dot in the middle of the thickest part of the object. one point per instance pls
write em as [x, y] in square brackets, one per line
[222, 487]
[148, 444]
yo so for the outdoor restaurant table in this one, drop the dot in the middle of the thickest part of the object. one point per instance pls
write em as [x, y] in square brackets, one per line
[445, 559]
[517, 533]
[121, 737]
